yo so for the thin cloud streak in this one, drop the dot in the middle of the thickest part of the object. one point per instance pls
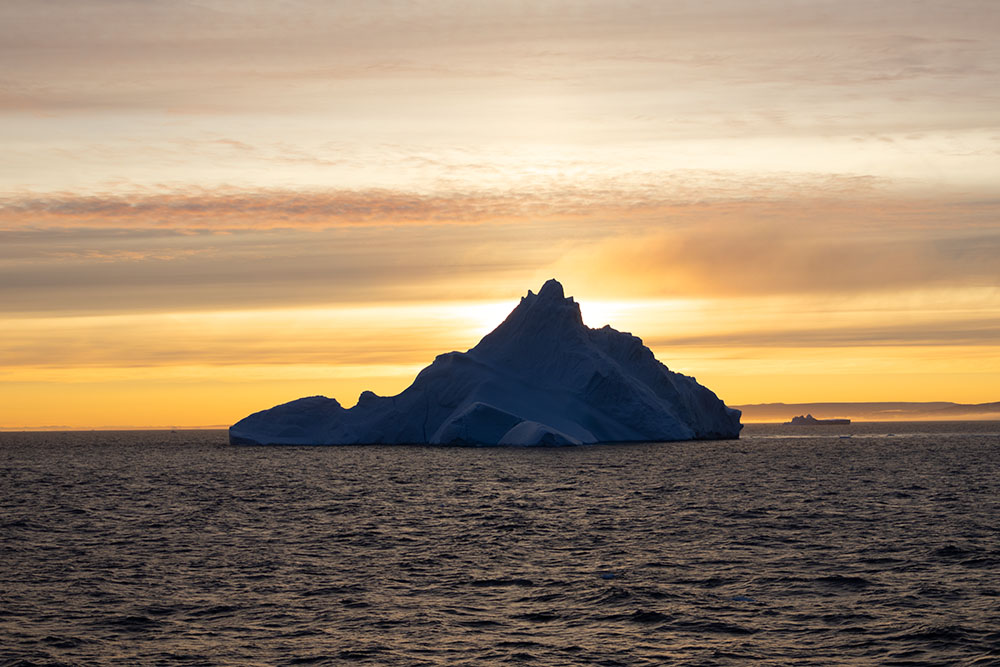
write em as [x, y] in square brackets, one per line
[199, 339]
[687, 195]
[953, 331]
[281, 209]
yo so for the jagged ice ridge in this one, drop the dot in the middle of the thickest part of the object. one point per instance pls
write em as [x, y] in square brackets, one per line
[540, 378]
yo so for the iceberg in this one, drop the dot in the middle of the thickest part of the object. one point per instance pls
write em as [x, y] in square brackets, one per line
[809, 420]
[542, 377]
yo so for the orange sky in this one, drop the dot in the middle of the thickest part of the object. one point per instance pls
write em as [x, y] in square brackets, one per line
[209, 208]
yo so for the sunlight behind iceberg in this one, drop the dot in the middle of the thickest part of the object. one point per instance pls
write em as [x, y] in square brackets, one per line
[542, 377]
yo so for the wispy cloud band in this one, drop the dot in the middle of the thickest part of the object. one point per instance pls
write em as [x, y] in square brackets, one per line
[845, 201]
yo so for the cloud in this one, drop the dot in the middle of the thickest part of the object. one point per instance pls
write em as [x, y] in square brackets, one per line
[256, 338]
[785, 256]
[264, 209]
[950, 330]
[681, 194]
[80, 270]
[696, 235]
[228, 56]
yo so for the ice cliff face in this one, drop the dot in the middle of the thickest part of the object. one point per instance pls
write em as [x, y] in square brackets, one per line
[540, 378]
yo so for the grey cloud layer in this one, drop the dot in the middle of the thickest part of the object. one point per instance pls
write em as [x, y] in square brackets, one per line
[120, 270]
[683, 251]
[789, 257]
[854, 63]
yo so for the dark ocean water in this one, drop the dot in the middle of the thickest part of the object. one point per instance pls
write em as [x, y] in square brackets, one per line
[786, 547]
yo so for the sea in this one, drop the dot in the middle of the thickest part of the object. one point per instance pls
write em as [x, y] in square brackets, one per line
[873, 543]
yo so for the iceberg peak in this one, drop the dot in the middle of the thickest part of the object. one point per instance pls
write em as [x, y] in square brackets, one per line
[540, 324]
[542, 377]
[552, 289]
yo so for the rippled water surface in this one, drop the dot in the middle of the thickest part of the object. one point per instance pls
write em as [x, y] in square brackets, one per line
[789, 546]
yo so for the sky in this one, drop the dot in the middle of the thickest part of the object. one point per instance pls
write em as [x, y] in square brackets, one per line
[211, 207]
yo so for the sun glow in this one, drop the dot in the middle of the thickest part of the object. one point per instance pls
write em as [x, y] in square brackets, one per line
[209, 367]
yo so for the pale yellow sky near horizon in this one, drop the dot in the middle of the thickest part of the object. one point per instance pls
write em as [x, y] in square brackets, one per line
[207, 208]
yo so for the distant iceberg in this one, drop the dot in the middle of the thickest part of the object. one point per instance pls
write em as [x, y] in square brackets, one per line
[540, 378]
[809, 420]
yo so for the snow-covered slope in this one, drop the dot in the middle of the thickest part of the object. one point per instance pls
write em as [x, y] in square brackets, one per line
[540, 378]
